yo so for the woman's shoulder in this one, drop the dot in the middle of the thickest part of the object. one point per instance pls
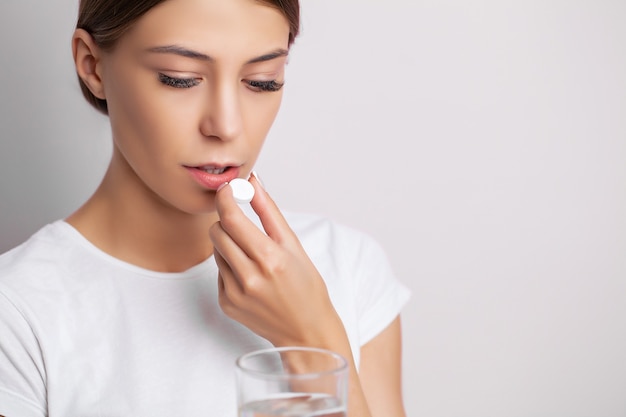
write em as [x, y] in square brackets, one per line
[322, 234]
[43, 251]
[317, 226]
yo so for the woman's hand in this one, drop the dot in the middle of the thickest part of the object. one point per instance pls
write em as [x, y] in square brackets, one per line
[266, 280]
[268, 283]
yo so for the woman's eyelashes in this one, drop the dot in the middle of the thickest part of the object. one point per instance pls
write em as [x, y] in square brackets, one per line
[271, 85]
[254, 85]
[178, 82]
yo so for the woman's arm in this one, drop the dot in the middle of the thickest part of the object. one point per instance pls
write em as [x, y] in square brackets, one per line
[380, 372]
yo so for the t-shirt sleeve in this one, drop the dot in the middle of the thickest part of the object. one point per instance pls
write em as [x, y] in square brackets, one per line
[381, 296]
[22, 386]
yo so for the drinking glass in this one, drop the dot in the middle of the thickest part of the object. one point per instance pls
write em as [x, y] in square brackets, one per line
[292, 382]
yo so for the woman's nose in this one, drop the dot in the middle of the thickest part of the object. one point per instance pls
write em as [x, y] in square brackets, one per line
[222, 116]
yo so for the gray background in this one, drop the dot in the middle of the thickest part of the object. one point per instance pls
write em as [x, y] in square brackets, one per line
[482, 143]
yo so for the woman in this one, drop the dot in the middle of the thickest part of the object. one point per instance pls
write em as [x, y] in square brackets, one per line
[139, 302]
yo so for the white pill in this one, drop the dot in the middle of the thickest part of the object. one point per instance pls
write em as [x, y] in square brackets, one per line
[243, 191]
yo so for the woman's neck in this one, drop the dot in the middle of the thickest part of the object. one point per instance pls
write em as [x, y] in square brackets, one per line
[136, 226]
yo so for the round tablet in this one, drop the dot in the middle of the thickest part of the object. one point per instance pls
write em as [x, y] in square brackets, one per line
[243, 191]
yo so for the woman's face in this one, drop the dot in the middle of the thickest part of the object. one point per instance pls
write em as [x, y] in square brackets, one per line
[192, 90]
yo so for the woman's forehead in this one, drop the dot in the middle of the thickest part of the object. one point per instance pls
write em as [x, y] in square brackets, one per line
[209, 22]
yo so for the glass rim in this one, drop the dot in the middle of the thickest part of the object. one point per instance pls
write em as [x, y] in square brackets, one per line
[342, 363]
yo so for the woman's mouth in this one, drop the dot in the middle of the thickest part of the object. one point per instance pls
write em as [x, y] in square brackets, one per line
[212, 176]
[213, 170]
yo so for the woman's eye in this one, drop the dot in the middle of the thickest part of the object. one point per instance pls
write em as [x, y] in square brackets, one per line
[272, 85]
[178, 82]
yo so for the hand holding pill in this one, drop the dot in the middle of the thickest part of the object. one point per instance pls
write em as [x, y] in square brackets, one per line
[267, 282]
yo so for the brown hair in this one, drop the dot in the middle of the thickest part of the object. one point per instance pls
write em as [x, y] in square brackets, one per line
[107, 20]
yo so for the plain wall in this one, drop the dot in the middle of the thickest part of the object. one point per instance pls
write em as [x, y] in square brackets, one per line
[482, 143]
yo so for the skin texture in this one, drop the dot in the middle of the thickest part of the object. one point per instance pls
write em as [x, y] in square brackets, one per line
[150, 211]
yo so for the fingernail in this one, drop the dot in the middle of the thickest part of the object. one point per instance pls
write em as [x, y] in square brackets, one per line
[222, 186]
[256, 175]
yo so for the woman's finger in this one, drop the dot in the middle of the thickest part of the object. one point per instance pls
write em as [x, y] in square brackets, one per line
[229, 287]
[228, 253]
[241, 230]
[272, 219]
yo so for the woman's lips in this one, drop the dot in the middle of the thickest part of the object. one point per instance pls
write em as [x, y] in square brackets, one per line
[211, 177]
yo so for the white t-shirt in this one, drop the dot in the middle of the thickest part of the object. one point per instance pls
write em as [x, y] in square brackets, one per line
[83, 334]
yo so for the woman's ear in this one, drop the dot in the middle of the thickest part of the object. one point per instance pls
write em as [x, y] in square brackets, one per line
[87, 59]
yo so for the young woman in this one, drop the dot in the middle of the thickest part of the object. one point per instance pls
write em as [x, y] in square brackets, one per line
[139, 302]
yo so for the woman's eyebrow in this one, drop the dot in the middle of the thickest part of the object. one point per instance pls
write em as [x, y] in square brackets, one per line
[179, 50]
[189, 53]
[268, 57]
